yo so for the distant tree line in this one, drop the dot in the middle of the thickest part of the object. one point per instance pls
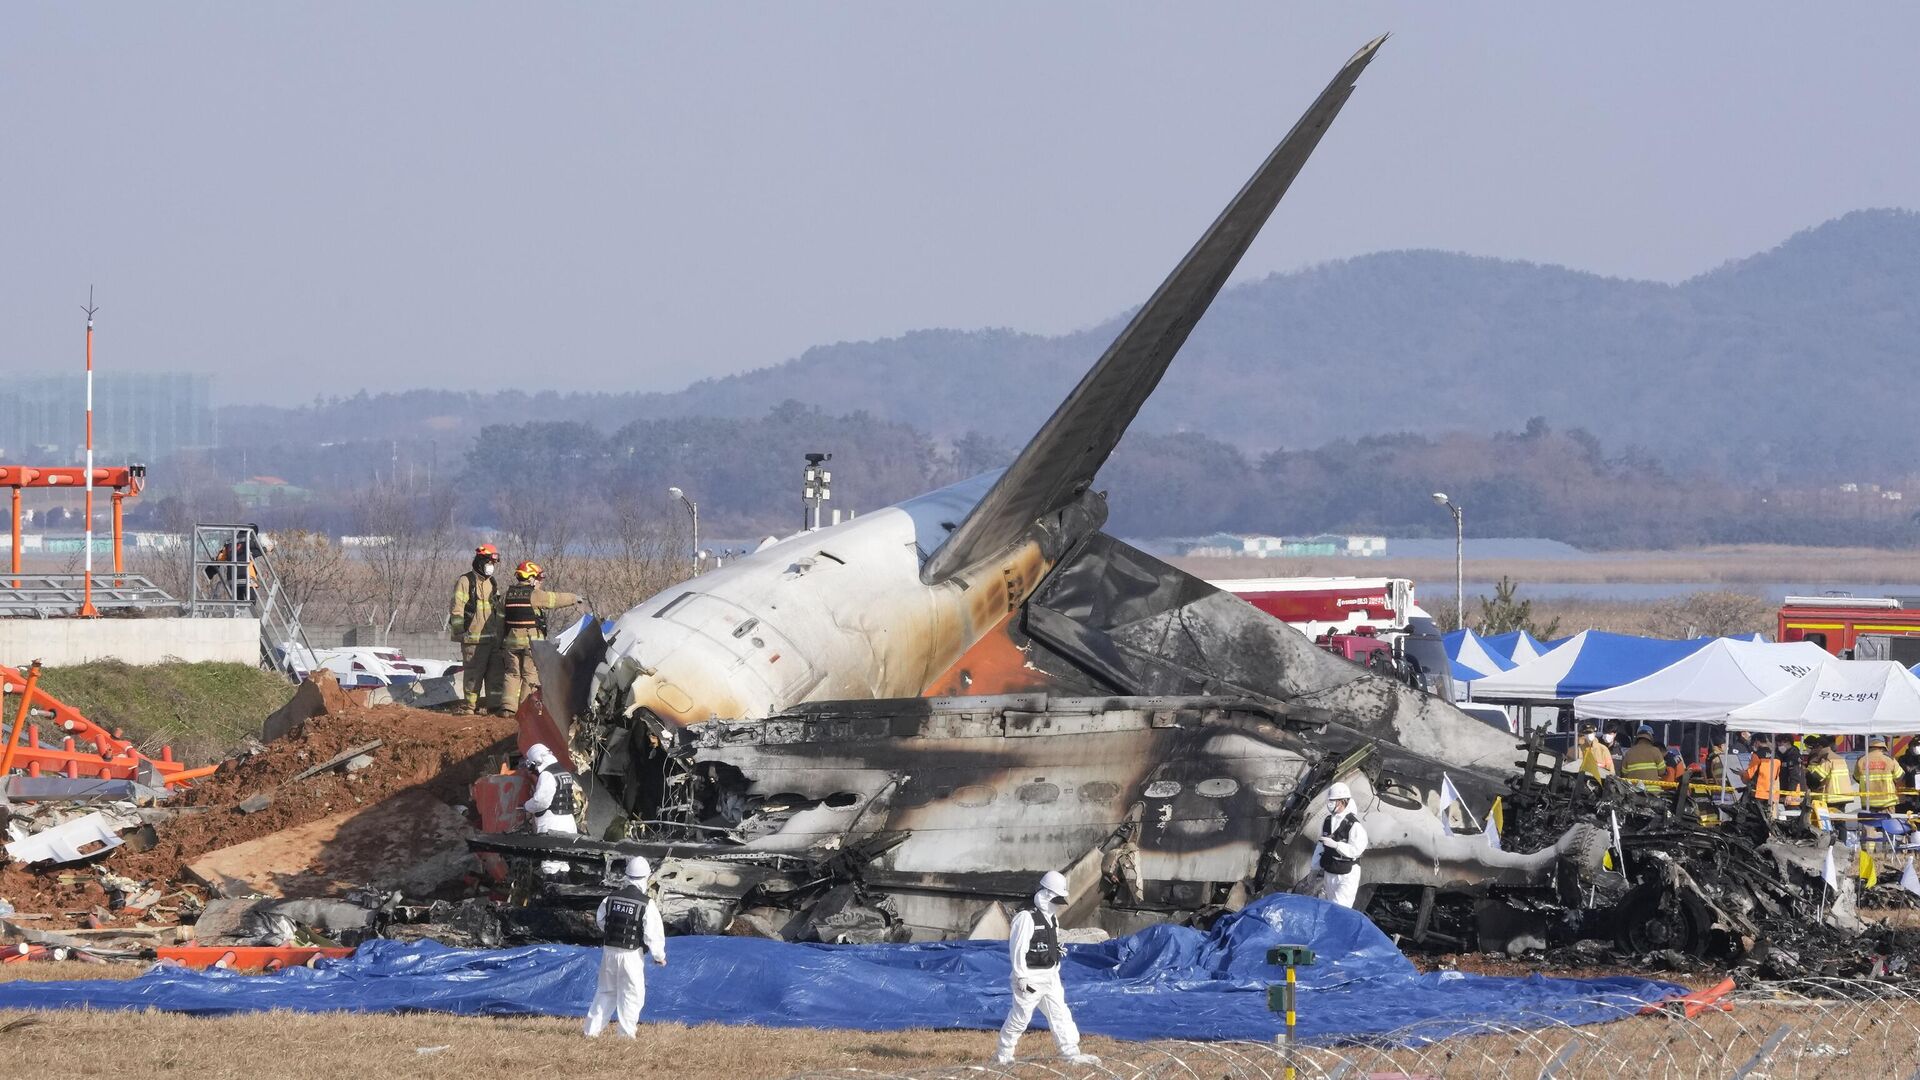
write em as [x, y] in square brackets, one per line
[1788, 367]
[530, 476]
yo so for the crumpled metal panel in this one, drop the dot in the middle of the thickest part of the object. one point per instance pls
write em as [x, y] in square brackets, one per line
[81, 838]
[1133, 624]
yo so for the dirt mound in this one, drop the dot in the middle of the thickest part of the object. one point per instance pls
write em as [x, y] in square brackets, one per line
[435, 753]
[438, 754]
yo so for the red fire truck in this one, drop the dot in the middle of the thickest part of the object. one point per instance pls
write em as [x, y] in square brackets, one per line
[1337, 605]
[1370, 621]
[1859, 627]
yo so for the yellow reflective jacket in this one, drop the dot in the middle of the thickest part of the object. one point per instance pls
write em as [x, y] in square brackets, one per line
[470, 620]
[1878, 775]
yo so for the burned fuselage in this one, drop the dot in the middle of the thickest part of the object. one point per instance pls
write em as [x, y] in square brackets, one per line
[1160, 807]
[838, 700]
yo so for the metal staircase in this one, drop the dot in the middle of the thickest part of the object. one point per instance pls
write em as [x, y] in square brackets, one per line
[231, 575]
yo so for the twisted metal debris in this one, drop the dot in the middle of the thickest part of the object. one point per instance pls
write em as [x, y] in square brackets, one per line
[1806, 1028]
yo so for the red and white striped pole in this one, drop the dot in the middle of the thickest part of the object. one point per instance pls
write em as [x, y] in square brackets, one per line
[87, 610]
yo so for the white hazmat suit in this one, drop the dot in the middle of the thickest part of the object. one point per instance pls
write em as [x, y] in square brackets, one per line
[1340, 888]
[545, 821]
[1039, 987]
[622, 988]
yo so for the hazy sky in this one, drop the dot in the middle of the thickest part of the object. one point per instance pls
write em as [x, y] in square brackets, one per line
[630, 196]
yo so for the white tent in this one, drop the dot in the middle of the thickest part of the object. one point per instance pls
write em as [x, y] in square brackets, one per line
[1708, 684]
[1840, 697]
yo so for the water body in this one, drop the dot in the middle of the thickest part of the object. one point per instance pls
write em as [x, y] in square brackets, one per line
[1648, 591]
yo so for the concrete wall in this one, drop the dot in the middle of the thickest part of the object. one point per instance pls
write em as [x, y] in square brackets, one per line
[65, 642]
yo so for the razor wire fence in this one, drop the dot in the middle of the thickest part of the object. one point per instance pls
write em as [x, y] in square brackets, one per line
[1768, 1031]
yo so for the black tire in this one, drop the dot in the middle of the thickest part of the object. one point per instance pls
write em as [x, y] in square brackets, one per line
[1652, 917]
[1587, 854]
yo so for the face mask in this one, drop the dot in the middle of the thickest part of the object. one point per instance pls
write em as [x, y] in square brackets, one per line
[486, 570]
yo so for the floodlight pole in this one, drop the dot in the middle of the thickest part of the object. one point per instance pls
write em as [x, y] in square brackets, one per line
[87, 610]
[693, 509]
[818, 489]
[1459, 558]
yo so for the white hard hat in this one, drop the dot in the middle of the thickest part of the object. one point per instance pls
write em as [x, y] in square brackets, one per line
[1056, 883]
[538, 754]
[1337, 792]
[638, 868]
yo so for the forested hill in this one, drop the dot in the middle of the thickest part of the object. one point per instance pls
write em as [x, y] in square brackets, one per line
[1796, 360]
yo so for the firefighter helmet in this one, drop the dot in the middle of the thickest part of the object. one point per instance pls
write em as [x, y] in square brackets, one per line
[528, 571]
[487, 551]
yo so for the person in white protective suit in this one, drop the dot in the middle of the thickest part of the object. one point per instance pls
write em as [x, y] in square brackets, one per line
[1342, 841]
[1033, 943]
[555, 800]
[630, 931]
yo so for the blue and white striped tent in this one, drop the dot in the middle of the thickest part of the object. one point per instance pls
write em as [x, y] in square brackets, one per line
[1472, 658]
[1589, 661]
[1518, 646]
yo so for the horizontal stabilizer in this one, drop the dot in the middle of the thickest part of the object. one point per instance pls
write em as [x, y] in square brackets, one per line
[1059, 464]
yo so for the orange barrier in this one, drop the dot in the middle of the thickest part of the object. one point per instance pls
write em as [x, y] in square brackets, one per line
[125, 480]
[1693, 1004]
[20, 721]
[249, 957]
[112, 757]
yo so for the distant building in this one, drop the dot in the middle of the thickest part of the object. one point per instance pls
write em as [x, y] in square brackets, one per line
[136, 417]
[261, 491]
[1257, 546]
[1359, 547]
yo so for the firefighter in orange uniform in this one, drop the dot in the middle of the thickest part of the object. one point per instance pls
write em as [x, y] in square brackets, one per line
[1763, 773]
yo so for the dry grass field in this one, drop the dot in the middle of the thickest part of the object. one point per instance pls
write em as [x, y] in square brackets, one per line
[1810, 1038]
[1727, 567]
[1730, 567]
[295, 1045]
[298, 1046]
[1745, 570]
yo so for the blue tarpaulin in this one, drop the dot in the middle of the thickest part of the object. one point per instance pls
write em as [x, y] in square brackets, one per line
[1163, 982]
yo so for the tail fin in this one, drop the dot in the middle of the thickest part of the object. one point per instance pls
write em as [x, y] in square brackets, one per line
[1061, 460]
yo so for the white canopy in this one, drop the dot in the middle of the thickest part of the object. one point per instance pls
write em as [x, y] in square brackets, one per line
[1708, 684]
[1840, 697]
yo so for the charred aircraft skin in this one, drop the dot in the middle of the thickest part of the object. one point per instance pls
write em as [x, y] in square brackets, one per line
[828, 700]
[1174, 806]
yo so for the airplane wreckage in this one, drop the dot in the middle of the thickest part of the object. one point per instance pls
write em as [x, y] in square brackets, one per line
[887, 728]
